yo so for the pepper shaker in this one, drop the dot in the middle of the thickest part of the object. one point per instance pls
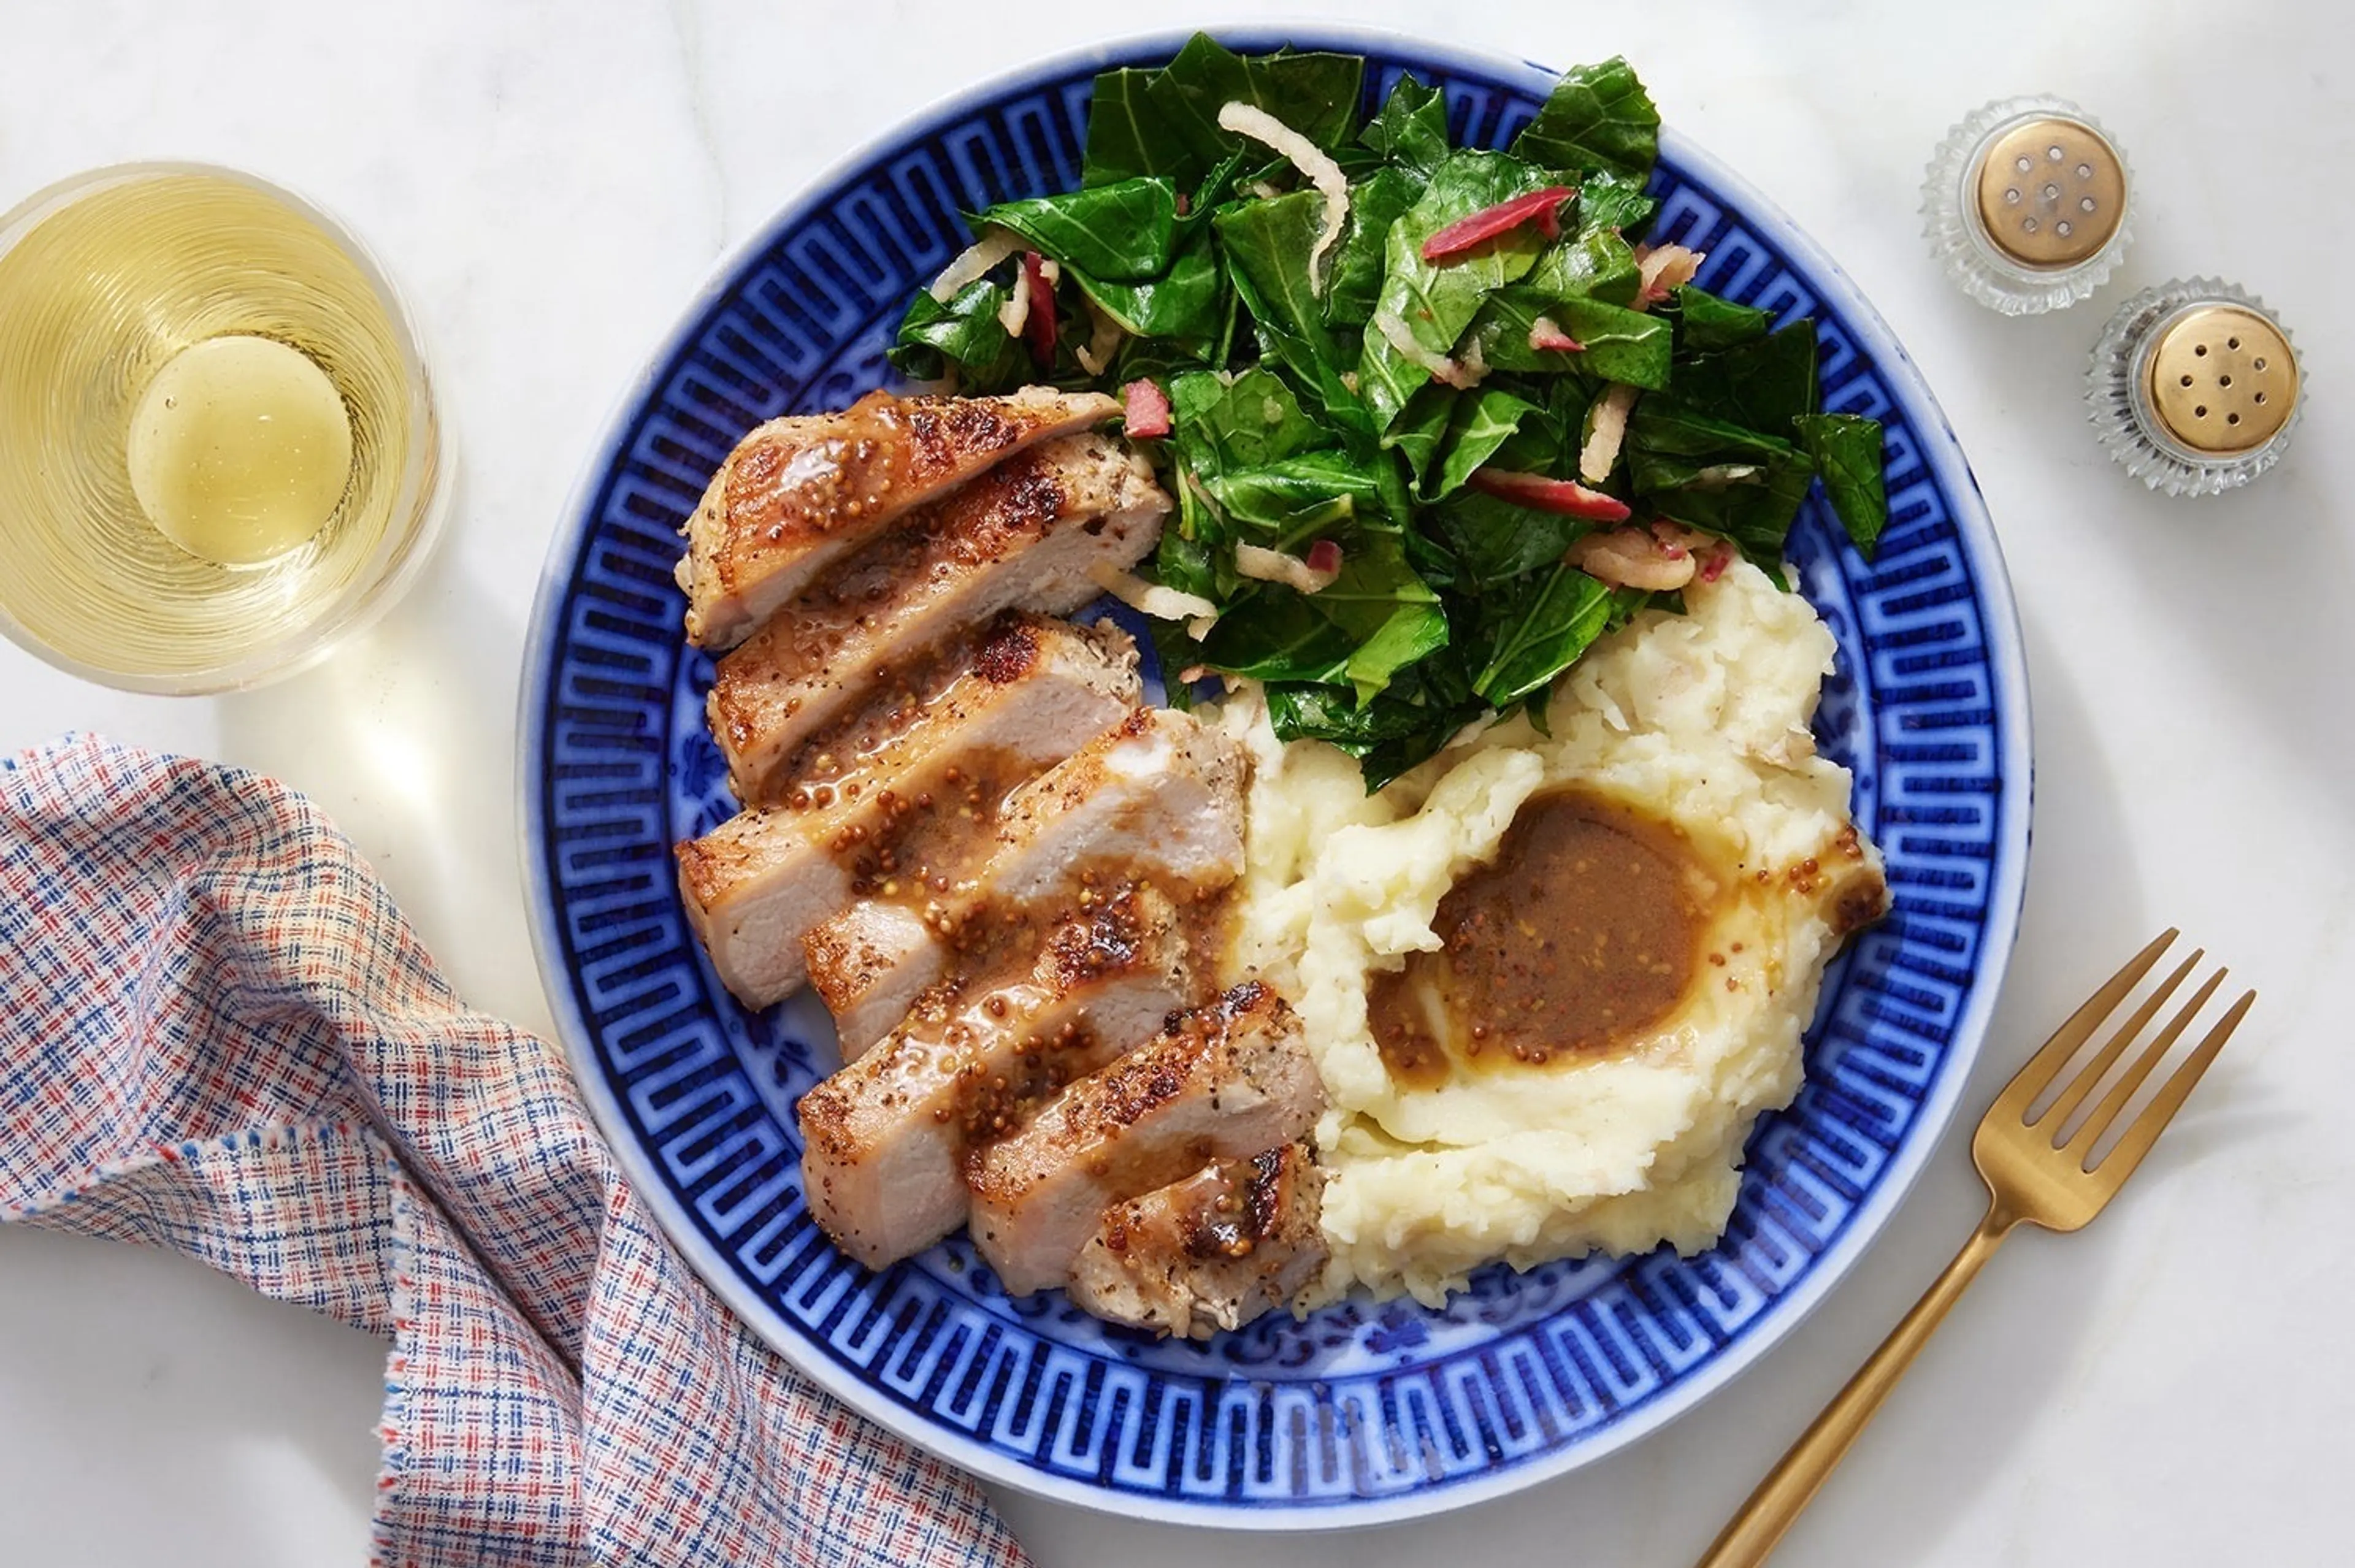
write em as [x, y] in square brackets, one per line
[2194, 387]
[2026, 205]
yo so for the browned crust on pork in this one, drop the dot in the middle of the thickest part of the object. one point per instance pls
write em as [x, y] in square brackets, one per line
[940, 435]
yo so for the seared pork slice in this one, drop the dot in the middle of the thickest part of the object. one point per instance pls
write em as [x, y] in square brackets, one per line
[869, 965]
[1023, 536]
[1210, 1251]
[1158, 796]
[1031, 692]
[799, 491]
[886, 1138]
[1223, 1082]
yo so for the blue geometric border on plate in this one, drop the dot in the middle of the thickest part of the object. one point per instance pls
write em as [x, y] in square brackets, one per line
[1362, 1412]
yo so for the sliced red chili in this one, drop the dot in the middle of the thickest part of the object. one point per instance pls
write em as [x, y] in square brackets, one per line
[1565, 496]
[1542, 207]
[1038, 328]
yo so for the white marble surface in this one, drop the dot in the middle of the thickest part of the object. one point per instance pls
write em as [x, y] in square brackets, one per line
[550, 182]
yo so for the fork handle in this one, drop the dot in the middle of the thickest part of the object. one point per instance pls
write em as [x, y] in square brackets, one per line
[1753, 1535]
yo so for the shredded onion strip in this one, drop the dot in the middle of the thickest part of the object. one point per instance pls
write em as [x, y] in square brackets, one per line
[975, 260]
[1103, 338]
[1015, 313]
[1633, 556]
[1311, 160]
[1155, 598]
[1668, 268]
[1546, 335]
[1445, 370]
[1276, 566]
[1603, 442]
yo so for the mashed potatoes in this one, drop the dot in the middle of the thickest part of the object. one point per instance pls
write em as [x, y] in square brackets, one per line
[1699, 722]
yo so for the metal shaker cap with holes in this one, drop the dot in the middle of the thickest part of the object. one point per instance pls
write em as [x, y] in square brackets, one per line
[2194, 387]
[2026, 205]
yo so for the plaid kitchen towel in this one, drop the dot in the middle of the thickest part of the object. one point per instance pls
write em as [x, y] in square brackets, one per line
[217, 1034]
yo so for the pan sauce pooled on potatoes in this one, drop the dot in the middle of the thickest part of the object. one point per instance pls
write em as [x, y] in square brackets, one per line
[1618, 996]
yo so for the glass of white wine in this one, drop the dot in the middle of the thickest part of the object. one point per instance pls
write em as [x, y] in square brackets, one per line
[219, 448]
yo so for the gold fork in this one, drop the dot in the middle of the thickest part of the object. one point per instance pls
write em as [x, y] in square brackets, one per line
[2033, 1176]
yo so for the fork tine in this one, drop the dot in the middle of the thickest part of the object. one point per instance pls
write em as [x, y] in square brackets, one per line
[2046, 1065]
[2122, 1161]
[2069, 1098]
[2139, 1068]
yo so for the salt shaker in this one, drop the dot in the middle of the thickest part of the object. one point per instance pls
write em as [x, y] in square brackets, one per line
[2194, 387]
[2026, 205]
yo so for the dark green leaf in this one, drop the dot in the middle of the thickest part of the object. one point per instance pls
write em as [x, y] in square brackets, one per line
[1704, 322]
[1216, 189]
[1161, 359]
[1616, 204]
[1620, 345]
[1386, 609]
[1537, 709]
[1537, 630]
[1625, 346]
[1593, 264]
[1847, 452]
[1421, 428]
[1388, 735]
[1548, 439]
[1120, 233]
[1598, 119]
[1495, 541]
[1316, 94]
[1176, 651]
[1248, 420]
[1481, 422]
[1187, 303]
[1355, 271]
[1763, 384]
[1390, 482]
[1708, 474]
[1195, 555]
[1269, 242]
[1297, 500]
[1669, 441]
[1270, 633]
[1126, 135]
[1435, 304]
[963, 336]
[1411, 128]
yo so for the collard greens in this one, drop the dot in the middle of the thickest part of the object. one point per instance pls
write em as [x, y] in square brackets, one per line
[1305, 406]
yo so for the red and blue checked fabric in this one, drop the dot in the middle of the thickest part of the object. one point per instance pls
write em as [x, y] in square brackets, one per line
[217, 1035]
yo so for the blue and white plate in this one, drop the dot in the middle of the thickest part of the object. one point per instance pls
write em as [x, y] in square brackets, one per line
[1363, 1413]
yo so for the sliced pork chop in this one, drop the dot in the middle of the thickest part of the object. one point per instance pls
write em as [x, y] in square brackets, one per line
[886, 1138]
[1210, 1251]
[1030, 693]
[1023, 536]
[1223, 1083]
[799, 491]
[1158, 796]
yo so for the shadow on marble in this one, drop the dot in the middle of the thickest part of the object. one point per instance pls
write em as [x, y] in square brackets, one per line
[407, 738]
[2236, 1108]
[1927, 1463]
[256, 1420]
[2086, 908]
[2261, 581]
